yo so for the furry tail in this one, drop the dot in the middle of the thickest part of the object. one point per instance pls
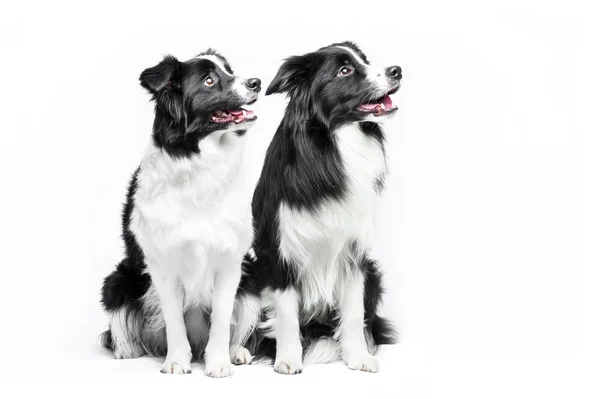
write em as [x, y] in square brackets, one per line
[124, 287]
[383, 332]
[122, 291]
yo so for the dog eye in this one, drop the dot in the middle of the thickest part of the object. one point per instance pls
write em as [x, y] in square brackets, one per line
[345, 71]
[209, 81]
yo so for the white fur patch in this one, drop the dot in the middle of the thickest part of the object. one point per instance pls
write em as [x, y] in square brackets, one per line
[126, 344]
[188, 213]
[216, 60]
[325, 350]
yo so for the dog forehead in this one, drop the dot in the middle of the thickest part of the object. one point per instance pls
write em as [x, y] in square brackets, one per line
[217, 61]
[347, 48]
[355, 53]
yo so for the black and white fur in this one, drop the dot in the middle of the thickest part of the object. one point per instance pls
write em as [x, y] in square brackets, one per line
[313, 211]
[187, 225]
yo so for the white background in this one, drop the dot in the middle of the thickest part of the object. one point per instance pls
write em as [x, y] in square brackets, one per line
[488, 232]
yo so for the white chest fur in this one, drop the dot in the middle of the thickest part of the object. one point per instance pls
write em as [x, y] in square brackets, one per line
[318, 242]
[192, 216]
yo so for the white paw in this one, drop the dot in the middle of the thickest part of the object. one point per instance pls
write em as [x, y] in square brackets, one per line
[177, 364]
[218, 367]
[241, 355]
[362, 361]
[289, 363]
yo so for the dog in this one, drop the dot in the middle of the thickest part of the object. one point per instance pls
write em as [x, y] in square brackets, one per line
[187, 224]
[313, 212]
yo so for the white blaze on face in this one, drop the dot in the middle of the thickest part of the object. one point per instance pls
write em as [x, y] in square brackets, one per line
[217, 61]
[376, 75]
[239, 83]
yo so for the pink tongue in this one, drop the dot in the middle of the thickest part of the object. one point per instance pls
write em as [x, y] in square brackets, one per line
[387, 101]
[369, 106]
[240, 116]
[238, 112]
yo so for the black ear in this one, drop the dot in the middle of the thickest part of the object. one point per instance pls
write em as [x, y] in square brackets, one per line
[293, 73]
[166, 74]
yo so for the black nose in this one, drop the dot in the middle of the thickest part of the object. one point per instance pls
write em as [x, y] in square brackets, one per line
[253, 84]
[394, 72]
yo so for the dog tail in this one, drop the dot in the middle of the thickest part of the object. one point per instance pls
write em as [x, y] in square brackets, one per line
[125, 286]
[122, 292]
[383, 332]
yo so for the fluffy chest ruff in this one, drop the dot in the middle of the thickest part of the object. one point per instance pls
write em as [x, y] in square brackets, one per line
[323, 244]
[192, 216]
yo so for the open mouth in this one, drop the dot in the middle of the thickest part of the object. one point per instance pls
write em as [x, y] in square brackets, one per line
[233, 116]
[380, 106]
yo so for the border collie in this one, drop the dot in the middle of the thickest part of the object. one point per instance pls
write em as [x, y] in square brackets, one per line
[313, 211]
[187, 224]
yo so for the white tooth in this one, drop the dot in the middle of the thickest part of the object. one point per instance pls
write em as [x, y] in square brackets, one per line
[382, 105]
[244, 113]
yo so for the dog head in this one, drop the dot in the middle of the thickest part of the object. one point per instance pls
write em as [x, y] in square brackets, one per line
[337, 85]
[196, 98]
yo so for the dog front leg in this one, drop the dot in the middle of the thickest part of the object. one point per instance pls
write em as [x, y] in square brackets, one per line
[216, 355]
[170, 294]
[288, 359]
[352, 327]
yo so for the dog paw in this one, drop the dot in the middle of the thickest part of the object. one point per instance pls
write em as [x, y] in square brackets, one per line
[176, 364]
[363, 362]
[288, 364]
[241, 355]
[218, 367]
